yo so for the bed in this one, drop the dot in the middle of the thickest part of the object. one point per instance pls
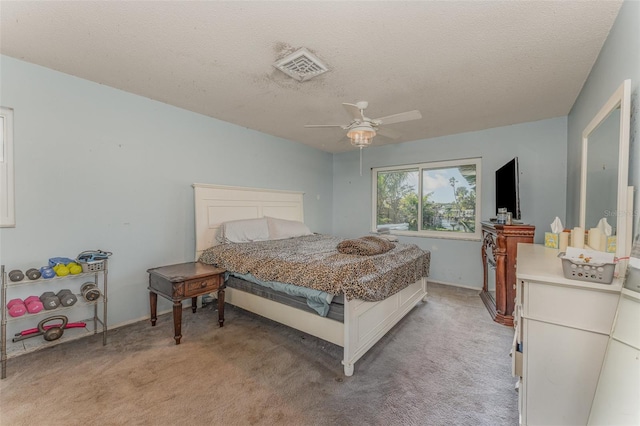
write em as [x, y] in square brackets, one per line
[363, 322]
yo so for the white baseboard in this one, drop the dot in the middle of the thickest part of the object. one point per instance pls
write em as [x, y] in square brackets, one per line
[454, 284]
[185, 303]
[144, 318]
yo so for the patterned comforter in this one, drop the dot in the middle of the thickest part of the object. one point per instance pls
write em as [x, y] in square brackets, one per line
[365, 246]
[313, 261]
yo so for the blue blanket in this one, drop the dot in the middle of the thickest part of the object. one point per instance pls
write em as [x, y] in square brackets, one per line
[316, 299]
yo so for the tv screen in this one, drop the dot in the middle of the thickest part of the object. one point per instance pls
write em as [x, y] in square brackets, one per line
[507, 194]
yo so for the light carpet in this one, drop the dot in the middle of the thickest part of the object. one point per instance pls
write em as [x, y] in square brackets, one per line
[446, 363]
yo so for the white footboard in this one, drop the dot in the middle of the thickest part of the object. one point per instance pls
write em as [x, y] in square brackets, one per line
[366, 322]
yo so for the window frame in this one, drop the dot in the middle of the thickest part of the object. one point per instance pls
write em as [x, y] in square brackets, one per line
[7, 197]
[476, 236]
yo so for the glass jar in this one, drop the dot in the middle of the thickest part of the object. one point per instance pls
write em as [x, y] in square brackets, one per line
[502, 216]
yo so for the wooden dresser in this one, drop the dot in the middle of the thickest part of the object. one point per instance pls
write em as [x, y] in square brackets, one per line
[499, 249]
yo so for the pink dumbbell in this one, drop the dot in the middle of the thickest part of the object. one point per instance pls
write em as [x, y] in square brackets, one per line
[16, 307]
[33, 304]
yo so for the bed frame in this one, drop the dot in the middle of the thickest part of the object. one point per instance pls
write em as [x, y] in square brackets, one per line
[364, 322]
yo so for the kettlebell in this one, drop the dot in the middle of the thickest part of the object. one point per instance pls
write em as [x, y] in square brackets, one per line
[53, 332]
[16, 275]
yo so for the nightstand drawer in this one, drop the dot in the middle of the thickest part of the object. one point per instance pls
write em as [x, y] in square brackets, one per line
[197, 287]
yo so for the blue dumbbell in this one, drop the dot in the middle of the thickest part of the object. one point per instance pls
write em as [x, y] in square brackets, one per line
[47, 272]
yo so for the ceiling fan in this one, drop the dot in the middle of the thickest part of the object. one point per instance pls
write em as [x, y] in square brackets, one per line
[362, 129]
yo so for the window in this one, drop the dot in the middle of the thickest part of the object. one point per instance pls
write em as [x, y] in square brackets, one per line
[440, 199]
[7, 213]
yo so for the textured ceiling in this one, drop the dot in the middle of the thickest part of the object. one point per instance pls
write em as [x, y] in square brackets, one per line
[466, 65]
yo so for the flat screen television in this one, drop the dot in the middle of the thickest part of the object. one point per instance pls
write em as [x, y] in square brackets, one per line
[507, 192]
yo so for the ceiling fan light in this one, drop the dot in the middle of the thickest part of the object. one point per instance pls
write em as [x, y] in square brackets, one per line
[361, 136]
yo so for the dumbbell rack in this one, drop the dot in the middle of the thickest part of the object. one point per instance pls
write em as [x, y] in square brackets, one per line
[33, 344]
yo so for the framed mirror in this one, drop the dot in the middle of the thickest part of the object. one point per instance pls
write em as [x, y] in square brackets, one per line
[604, 190]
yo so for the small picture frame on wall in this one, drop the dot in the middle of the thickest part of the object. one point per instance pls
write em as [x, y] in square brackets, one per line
[7, 188]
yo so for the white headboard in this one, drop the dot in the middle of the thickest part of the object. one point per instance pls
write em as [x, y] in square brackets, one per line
[215, 204]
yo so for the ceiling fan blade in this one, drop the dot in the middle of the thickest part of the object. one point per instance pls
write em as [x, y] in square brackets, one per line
[389, 133]
[354, 111]
[399, 118]
[324, 125]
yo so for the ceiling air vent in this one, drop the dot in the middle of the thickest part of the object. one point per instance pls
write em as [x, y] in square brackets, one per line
[301, 65]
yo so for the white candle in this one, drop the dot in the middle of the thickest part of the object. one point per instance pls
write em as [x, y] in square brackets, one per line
[577, 237]
[564, 241]
[594, 238]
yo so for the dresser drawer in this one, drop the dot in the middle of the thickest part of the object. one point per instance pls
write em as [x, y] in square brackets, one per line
[580, 308]
[197, 287]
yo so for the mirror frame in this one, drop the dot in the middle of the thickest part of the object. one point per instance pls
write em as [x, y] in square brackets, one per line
[621, 98]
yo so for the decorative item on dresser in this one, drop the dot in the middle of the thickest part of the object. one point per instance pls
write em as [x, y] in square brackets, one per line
[499, 249]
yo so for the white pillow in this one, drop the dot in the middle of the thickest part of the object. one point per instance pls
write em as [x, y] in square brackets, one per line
[246, 230]
[280, 229]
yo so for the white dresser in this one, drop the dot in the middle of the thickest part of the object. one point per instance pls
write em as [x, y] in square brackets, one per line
[562, 329]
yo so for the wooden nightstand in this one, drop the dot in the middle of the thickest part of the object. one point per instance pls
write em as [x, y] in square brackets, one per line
[181, 281]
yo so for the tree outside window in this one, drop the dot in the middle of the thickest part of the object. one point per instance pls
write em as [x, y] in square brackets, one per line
[449, 202]
[397, 200]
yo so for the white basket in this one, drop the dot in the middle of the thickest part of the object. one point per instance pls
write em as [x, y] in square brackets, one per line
[593, 272]
[94, 266]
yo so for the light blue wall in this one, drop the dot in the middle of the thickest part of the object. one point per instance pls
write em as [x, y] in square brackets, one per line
[100, 168]
[540, 147]
[96, 167]
[619, 60]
